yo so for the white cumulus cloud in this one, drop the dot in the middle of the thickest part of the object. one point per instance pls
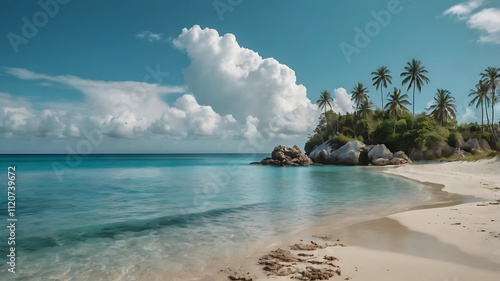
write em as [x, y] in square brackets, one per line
[125, 109]
[230, 92]
[238, 81]
[18, 118]
[342, 102]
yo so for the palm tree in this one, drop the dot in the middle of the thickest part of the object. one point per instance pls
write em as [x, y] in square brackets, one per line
[349, 117]
[359, 95]
[396, 106]
[491, 77]
[415, 76]
[325, 99]
[480, 98]
[381, 77]
[444, 106]
[365, 109]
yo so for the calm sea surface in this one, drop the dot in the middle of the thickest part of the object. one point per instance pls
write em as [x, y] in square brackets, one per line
[127, 217]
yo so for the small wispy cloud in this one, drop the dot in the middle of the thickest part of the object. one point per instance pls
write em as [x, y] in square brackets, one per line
[463, 10]
[487, 20]
[150, 36]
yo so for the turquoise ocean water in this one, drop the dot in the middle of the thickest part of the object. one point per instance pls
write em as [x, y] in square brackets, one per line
[143, 217]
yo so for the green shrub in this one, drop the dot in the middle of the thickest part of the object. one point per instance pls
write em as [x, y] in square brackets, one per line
[360, 138]
[340, 139]
[313, 141]
[454, 136]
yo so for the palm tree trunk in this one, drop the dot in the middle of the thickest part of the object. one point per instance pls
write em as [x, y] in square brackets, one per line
[326, 123]
[413, 99]
[493, 106]
[492, 128]
[353, 129]
[394, 132]
[487, 117]
[482, 119]
[354, 121]
[382, 96]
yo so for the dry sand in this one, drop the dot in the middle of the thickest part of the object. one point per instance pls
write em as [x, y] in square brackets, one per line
[455, 239]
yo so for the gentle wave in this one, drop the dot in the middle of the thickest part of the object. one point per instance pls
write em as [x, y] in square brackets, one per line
[133, 228]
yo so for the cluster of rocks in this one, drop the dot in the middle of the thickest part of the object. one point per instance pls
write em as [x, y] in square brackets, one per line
[442, 150]
[357, 153]
[286, 156]
[472, 146]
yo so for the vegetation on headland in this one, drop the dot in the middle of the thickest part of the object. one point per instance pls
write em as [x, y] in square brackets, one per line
[398, 128]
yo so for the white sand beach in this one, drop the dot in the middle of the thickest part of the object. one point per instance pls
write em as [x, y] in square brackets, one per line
[468, 234]
[446, 241]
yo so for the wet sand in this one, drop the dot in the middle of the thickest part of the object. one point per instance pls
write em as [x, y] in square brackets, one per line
[454, 236]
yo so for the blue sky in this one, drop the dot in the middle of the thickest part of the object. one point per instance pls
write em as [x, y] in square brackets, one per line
[72, 73]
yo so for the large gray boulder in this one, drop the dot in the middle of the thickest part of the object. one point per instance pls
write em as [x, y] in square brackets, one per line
[484, 145]
[400, 158]
[351, 153]
[474, 144]
[460, 143]
[348, 154]
[287, 156]
[380, 151]
[436, 151]
[322, 152]
[478, 146]
[402, 155]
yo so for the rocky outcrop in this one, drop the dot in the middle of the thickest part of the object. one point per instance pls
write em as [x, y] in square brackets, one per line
[440, 150]
[399, 158]
[286, 156]
[460, 143]
[352, 153]
[402, 155]
[380, 151]
[484, 145]
[478, 146]
[357, 153]
[349, 154]
[322, 152]
[474, 144]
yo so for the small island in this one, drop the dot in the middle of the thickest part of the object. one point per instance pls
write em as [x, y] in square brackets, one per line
[369, 135]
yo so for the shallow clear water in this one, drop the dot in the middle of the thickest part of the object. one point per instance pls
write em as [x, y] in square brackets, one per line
[127, 217]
